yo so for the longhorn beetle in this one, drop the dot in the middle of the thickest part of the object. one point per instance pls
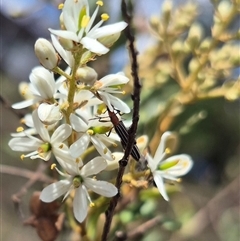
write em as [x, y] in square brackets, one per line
[122, 132]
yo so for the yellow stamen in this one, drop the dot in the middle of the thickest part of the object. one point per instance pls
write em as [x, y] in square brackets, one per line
[99, 3]
[105, 150]
[105, 16]
[115, 144]
[123, 92]
[53, 166]
[20, 129]
[167, 150]
[179, 179]
[90, 132]
[60, 6]
[91, 205]
[24, 90]
[61, 146]
[85, 21]
[22, 156]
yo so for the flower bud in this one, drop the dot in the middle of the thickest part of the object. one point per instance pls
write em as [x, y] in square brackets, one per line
[205, 45]
[49, 114]
[109, 40]
[178, 47]
[86, 75]
[194, 35]
[224, 8]
[67, 43]
[166, 10]
[193, 65]
[86, 57]
[46, 53]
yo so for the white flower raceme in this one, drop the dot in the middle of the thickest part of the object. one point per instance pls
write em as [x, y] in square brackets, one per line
[169, 168]
[78, 179]
[111, 84]
[43, 87]
[79, 26]
[94, 132]
[42, 148]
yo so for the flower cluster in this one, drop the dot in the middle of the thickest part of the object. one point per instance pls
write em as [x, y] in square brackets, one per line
[68, 112]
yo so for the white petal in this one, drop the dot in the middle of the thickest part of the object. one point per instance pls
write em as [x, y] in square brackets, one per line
[55, 190]
[93, 45]
[71, 11]
[151, 163]
[40, 127]
[116, 102]
[24, 104]
[66, 55]
[67, 162]
[24, 144]
[43, 81]
[61, 134]
[78, 124]
[183, 166]
[101, 148]
[80, 205]
[160, 152]
[65, 34]
[103, 188]
[160, 185]
[93, 167]
[78, 147]
[107, 30]
[83, 95]
[114, 79]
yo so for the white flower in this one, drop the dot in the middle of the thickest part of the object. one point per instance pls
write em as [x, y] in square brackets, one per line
[43, 87]
[90, 134]
[41, 148]
[78, 180]
[111, 84]
[168, 168]
[78, 24]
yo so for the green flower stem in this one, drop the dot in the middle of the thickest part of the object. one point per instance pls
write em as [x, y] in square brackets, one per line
[71, 93]
[61, 72]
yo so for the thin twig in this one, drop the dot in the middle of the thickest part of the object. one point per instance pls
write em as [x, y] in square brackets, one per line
[132, 131]
[16, 171]
[16, 198]
[138, 231]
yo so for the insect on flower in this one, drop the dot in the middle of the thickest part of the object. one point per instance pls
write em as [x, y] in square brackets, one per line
[122, 132]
